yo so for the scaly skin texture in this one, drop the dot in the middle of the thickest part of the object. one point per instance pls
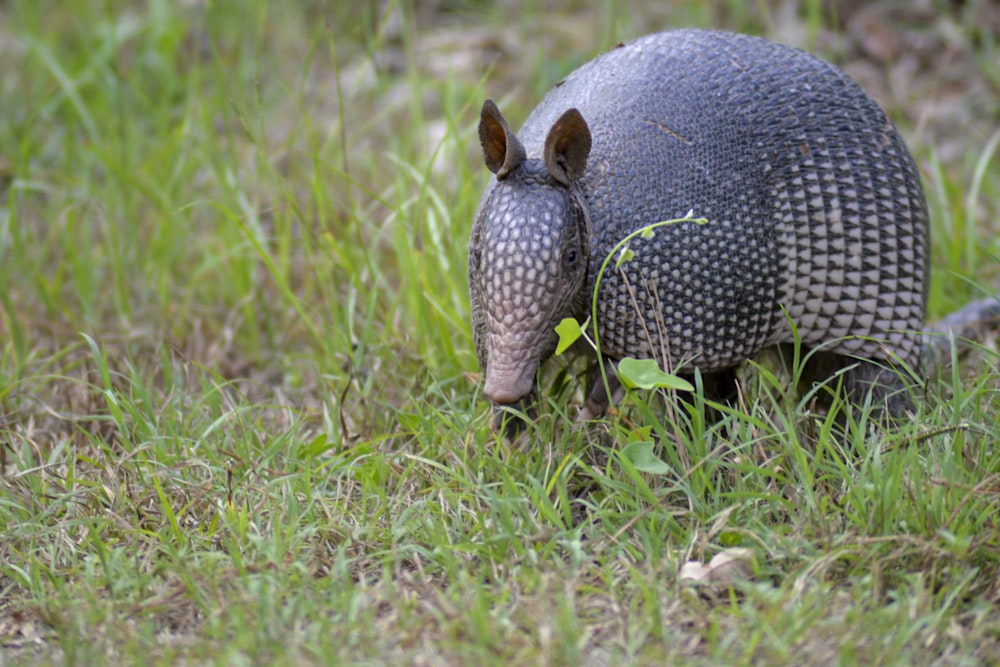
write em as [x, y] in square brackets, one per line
[816, 218]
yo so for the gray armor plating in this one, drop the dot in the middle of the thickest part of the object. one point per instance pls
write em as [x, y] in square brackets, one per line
[815, 213]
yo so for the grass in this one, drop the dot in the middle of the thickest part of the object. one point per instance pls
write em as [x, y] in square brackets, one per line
[239, 414]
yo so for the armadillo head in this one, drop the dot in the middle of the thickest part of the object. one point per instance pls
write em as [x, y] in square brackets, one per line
[528, 255]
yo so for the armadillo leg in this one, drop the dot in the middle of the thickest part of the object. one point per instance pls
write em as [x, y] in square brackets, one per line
[601, 395]
[882, 385]
[862, 381]
[508, 420]
[721, 386]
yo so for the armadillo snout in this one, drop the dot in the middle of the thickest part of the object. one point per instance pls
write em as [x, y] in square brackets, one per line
[528, 265]
[513, 391]
[509, 384]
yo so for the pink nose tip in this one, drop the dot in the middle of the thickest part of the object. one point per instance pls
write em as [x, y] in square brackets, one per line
[502, 395]
[505, 387]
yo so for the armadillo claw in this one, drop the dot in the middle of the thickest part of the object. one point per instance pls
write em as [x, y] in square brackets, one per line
[511, 419]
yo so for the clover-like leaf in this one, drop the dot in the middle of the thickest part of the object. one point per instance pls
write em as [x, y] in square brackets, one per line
[642, 456]
[569, 331]
[646, 374]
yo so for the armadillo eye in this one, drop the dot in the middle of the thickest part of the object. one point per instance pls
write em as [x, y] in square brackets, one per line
[571, 257]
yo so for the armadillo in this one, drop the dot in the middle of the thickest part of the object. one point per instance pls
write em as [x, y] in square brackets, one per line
[815, 224]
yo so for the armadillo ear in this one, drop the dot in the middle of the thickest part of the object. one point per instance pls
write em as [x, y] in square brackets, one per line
[502, 150]
[567, 147]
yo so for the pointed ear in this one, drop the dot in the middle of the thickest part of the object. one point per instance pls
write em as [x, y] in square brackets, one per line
[567, 147]
[502, 150]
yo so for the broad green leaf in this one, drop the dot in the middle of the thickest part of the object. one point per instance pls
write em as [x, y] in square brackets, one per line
[648, 233]
[569, 331]
[641, 455]
[646, 374]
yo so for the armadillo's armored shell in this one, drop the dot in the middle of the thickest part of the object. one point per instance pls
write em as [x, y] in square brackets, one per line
[814, 206]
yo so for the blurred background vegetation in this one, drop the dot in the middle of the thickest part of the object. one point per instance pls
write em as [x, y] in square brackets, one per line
[341, 122]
